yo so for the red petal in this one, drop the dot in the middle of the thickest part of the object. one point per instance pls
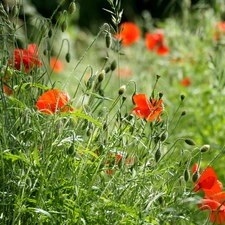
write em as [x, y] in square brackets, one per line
[141, 101]
[150, 41]
[162, 50]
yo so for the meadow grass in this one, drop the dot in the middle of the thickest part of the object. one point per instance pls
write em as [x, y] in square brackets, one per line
[63, 168]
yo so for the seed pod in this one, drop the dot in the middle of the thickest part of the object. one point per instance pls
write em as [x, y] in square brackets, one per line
[64, 25]
[15, 11]
[68, 57]
[122, 90]
[158, 154]
[189, 141]
[195, 176]
[186, 175]
[108, 40]
[72, 8]
[205, 148]
[113, 65]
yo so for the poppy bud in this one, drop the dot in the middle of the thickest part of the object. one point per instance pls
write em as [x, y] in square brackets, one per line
[184, 113]
[107, 69]
[133, 97]
[163, 136]
[122, 90]
[124, 98]
[45, 52]
[160, 95]
[64, 25]
[15, 11]
[158, 154]
[182, 97]
[101, 92]
[50, 33]
[88, 133]
[72, 8]
[189, 141]
[186, 175]
[113, 65]
[195, 176]
[108, 40]
[157, 76]
[101, 76]
[205, 148]
[68, 57]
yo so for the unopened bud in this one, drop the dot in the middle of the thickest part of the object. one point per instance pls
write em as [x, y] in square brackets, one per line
[50, 33]
[107, 69]
[186, 175]
[101, 76]
[195, 176]
[184, 113]
[205, 148]
[157, 154]
[72, 8]
[157, 76]
[160, 95]
[164, 136]
[64, 25]
[68, 57]
[113, 65]
[189, 141]
[182, 97]
[45, 52]
[108, 40]
[122, 90]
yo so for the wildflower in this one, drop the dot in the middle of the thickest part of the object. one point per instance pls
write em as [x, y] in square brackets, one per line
[113, 159]
[220, 29]
[53, 101]
[208, 181]
[5, 79]
[186, 82]
[129, 33]
[7, 90]
[216, 204]
[124, 72]
[26, 58]
[147, 109]
[155, 42]
[56, 64]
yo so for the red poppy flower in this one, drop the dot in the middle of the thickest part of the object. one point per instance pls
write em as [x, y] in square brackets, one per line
[124, 72]
[208, 181]
[149, 110]
[186, 82]
[129, 33]
[216, 204]
[220, 29]
[27, 58]
[54, 101]
[113, 159]
[56, 64]
[155, 42]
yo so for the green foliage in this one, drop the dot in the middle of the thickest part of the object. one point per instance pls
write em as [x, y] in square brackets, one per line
[100, 164]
